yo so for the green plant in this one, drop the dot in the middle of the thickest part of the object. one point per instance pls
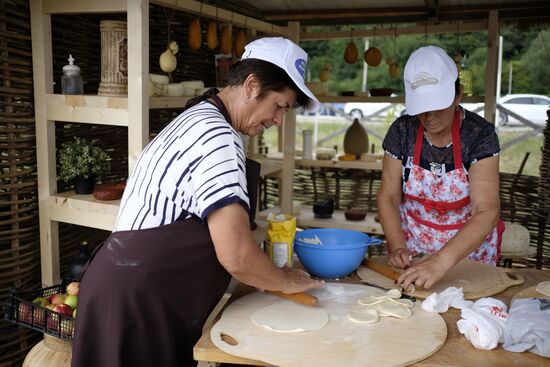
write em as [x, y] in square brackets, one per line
[82, 158]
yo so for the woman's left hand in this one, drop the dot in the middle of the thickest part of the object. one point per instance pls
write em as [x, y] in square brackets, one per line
[425, 274]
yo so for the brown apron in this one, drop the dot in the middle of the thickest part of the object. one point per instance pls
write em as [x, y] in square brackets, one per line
[146, 294]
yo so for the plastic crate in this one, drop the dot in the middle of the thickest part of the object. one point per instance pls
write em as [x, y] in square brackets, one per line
[20, 310]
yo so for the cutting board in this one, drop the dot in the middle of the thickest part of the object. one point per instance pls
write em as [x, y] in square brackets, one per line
[388, 342]
[476, 279]
[530, 292]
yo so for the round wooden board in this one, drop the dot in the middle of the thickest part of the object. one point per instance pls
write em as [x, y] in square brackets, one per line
[476, 279]
[530, 292]
[388, 342]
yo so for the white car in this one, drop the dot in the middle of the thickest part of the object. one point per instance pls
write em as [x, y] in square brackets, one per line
[372, 109]
[532, 107]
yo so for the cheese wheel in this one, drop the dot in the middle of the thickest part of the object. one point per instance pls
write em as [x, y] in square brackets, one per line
[193, 84]
[174, 90]
[159, 78]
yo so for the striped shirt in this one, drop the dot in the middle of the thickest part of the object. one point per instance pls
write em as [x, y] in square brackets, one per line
[193, 166]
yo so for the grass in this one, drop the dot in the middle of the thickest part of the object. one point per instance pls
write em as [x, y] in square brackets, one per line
[510, 159]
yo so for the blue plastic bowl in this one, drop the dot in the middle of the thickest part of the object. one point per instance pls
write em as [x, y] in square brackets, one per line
[341, 251]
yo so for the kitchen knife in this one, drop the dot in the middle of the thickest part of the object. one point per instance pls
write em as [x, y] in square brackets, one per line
[303, 298]
[403, 295]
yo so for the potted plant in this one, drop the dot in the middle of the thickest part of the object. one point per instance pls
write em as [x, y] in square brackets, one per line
[82, 162]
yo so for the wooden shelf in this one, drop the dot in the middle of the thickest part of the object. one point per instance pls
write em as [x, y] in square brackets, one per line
[270, 167]
[87, 109]
[334, 163]
[167, 102]
[396, 99]
[83, 210]
[306, 218]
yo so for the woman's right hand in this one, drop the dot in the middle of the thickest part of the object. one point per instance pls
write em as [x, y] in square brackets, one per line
[399, 258]
[298, 280]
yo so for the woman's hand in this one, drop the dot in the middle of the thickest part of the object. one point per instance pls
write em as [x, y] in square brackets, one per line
[425, 274]
[299, 280]
[399, 258]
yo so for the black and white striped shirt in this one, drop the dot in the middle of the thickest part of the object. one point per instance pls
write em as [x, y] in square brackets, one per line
[193, 166]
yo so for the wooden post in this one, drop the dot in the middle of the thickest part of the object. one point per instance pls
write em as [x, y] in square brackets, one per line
[492, 69]
[138, 73]
[45, 140]
[286, 186]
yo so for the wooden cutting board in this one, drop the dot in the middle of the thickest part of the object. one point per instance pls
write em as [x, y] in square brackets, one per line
[476, 279]
[530, 292]
[388, 342]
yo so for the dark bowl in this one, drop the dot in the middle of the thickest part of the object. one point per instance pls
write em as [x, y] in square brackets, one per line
[355, 214]
[323, 209]
[381, 92]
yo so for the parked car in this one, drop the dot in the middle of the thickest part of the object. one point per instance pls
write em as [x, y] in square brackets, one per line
[326, 109]
[533, 107]
[373, 109]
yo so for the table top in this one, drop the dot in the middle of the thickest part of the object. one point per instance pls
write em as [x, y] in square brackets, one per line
[457, 350]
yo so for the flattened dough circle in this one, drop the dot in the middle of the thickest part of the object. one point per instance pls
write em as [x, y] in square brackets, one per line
[290, 317]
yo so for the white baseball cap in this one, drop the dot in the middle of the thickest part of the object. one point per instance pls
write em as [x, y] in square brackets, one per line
[429, 77]
[288, 56]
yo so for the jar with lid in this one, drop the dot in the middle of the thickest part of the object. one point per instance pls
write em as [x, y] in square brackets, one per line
[71, 80]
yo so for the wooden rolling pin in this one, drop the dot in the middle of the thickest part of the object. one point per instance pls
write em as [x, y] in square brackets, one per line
[303, 298]
[382, 269]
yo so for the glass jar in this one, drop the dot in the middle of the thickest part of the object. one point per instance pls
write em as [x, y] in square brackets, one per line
[71, 80]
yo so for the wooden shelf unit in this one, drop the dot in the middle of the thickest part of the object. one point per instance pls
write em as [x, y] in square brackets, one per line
[131, 111]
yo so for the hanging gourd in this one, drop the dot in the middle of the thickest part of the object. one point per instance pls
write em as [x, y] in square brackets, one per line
[240, 42]
[351, 54]
[168, 61]
[225, 40]
[373, 56]
[212, 35]
[174, 47]
[394, 70]
[326, 73]
[194, 37]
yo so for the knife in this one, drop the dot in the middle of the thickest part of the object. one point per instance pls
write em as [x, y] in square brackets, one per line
[302, 297]
[406, 296]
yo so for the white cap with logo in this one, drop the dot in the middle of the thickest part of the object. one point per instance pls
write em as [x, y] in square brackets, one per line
[429, 77]
[288, 56]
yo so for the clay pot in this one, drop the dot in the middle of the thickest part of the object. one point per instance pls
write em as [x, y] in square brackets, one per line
[355, 214]
[323, 208]
[356, 140]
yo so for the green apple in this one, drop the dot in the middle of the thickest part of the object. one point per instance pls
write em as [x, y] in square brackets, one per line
[40, 301]
[71, 301]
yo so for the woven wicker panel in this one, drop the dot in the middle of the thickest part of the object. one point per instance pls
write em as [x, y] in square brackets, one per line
[19, 240]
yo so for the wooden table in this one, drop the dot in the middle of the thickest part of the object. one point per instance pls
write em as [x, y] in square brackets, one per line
[457, 350]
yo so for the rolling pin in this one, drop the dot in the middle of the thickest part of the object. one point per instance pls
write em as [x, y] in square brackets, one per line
[382, 269]
[303, 298]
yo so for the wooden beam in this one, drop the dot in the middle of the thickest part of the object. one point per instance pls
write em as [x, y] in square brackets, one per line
[138, 76]
[456, 27]
[41, 35]
[204, 10]
[87, 109]
[84, 6]
[491, 68]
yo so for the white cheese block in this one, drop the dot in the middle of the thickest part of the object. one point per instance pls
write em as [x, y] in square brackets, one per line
[193, 84]
[174, 90]
[159, 78]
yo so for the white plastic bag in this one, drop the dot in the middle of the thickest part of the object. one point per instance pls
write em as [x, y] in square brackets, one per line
[452, 296]
[528, 327]
[483, 323]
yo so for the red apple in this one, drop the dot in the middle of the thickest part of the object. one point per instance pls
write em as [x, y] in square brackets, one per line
[63, 309]
[71, 300]
[57, 299]
[73, 288]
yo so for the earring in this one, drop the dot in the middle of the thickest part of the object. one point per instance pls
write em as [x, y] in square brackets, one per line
[246, 100]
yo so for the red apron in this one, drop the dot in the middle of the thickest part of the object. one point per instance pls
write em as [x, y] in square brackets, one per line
[434, 208]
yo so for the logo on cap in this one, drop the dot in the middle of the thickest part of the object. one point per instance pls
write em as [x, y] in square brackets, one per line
[301, 67]
[422, 79]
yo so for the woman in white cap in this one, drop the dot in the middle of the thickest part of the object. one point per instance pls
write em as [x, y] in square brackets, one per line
[440, 178]
[183, 227]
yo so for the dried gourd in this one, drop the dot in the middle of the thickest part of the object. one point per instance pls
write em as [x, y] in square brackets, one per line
[174, 47]
[212, 35]
[168, 61]
[373, 56]
[240, 41]
[351, 53]
[225, 40]
[194, 37]
[390, 60]
[394, 70]
[326, 73]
